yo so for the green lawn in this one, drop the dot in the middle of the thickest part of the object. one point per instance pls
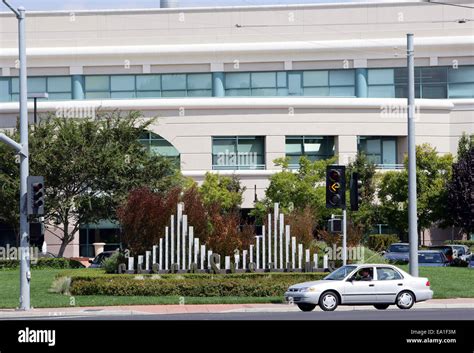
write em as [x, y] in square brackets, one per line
[446, 283]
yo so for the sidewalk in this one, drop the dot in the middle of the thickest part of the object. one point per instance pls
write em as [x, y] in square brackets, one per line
[459, 303]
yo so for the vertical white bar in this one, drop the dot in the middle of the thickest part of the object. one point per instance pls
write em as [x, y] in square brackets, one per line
[147, 260]
[209, 253]
[184, 243]
[196, 250]
[251, 252]
[227, 262]
[325, 262]
[264, 264]
[172, 242]
[269, 238]
[178, 235]
[140, 260]
[293, 252]
[190, 247]
[244, 259]
[166, 247]
[300, 255]
[287, 244]
[282, 227]
[236, 260]
[315, 260]
[275, 232]
[130, 263]
[203, 255]
[155, 248]
[160, 256]
[257, 239]
[307, 256]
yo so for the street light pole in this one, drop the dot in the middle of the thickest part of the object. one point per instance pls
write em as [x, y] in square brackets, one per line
[22, 148]
[412, 207]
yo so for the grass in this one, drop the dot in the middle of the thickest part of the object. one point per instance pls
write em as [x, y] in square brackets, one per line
[449, 282]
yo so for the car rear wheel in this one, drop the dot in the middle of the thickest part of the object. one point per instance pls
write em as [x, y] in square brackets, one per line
[381, 306]
[405, 300]
[329, 301]
[306, 307]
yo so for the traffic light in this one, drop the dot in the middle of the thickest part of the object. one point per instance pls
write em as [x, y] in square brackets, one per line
[336, 186]
[355, 191]
[35, 195]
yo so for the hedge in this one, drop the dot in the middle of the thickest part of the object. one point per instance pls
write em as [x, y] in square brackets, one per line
[469, 243]
[379, 242]
[43, 262]
[191, 285]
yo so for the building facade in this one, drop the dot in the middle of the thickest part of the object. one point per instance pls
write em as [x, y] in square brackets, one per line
[234, 88]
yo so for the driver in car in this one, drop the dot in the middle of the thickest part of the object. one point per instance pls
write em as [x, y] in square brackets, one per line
[365, 275]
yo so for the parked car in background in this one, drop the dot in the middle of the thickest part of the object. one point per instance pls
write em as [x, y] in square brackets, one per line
[397, 252]
[471, 263]
[97, 262]
[380, 285]
[432, 258]
[448, 251]
[462, 251]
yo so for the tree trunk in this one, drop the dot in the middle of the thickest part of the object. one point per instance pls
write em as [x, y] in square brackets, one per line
[64, 241]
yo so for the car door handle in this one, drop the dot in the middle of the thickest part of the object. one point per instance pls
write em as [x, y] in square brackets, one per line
[400, 284]
[371, 285]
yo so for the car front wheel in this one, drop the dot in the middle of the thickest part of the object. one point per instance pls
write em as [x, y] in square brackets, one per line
[306, 307]
[329, 301]
[405, 300]
[381, 306]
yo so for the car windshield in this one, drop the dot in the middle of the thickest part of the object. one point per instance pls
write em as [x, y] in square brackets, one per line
[399, 248]
[430, 258]
[340, 273]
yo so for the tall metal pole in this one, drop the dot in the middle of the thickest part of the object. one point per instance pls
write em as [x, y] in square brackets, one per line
[412, 208]
[344, 237]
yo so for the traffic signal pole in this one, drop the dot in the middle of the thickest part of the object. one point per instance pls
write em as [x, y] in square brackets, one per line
[344, 236]
[22, 149]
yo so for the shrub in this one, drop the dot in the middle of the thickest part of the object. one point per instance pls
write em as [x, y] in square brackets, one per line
[110, 265]
[197, 285]
[61, 285]
[379, 242]
[469, 243]
[44, 262]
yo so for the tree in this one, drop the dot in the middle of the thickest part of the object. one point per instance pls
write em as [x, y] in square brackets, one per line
[460, 203]
[89, 166]
[432, 172]
[222, 190]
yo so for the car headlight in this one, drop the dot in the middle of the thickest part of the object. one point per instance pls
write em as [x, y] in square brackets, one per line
[308, 289]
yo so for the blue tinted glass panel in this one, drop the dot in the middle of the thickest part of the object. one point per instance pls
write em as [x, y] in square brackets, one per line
[281, 79]
[173, 82]
[4, 89]
[316, 91]
[380, 77]
[342, 91]
[97, 95]
[264, 92]
[461, 90]
[315, 78]
[123, 94]
[148, 94]
[59, 96]
[200, 81]
[237, 80]
[59, 84]
[294, 84]
[172, 94]
[36, 84]
[148, 82]
[381, 91]
[264, 80]
[238, 92]
[200, 93]
[122, 83]
[341, 77]
[97, 83]
[462, 74]
[15, 85]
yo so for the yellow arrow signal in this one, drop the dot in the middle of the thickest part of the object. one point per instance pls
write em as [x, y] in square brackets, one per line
[334, 187]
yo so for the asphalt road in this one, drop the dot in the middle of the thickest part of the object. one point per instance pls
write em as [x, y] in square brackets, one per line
[419, 314]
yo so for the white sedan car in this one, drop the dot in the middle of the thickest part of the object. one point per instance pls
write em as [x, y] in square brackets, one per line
[371, 284]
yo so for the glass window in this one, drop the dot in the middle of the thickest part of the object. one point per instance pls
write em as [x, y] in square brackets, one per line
[237, 80]
[173, 82]
[315, 78]
[97, 95]
[295, 87]
[461, 75]
[59, 84]
[4, 89]
[200, 82]
[122, 83]
[341, 77]
[97, 83]
[381, 77]
[238, 152]
[123, 95]
[348, 91]
[156, 144]
[383, 91]
[281, 79]
[36, 84]
[461, 90]
[263, 80]
[433, 74]
[387, 274]
[148, 82]
[312, 147]
[379, 150]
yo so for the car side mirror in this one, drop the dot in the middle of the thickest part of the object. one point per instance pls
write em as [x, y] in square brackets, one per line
[351, 279]
[383, 252]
